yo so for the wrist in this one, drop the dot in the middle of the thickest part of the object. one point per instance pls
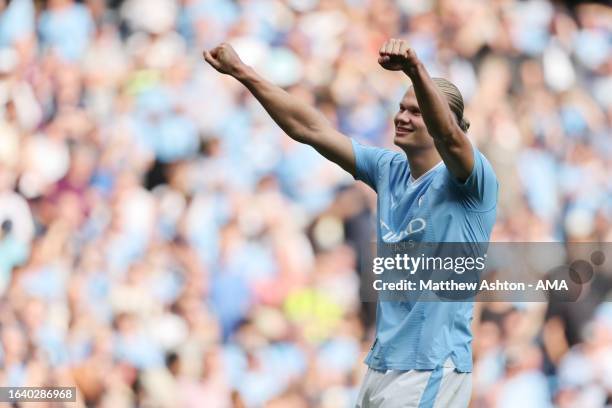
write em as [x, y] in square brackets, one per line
[412, 69]
[242, 72]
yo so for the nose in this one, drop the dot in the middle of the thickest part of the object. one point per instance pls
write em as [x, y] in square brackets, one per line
[403, 118]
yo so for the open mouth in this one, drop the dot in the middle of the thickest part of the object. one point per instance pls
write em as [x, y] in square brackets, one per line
[403, 131]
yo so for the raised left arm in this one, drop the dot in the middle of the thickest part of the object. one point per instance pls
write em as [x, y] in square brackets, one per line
[451, 142]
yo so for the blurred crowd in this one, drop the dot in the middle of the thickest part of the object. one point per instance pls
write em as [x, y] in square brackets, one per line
[164, 244]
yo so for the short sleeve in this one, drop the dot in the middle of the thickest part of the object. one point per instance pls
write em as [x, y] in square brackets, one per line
[367, 162]
[481, 187]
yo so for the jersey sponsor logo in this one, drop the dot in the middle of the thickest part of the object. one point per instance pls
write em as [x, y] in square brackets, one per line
[415, 226]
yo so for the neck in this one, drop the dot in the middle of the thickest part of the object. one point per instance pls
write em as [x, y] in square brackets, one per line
[421, 160]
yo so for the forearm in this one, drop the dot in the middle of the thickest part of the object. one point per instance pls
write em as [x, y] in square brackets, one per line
[449, 139]
[299, 120]
[296, 118]
[437, 115]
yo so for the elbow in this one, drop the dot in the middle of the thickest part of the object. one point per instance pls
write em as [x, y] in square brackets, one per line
[449, 133]
[451, 140]
[312, 132]
[299, 131]
[304, 135]
[447, 137]
[443, 127]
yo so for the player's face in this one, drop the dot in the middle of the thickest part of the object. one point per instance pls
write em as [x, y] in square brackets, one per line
[410, 129]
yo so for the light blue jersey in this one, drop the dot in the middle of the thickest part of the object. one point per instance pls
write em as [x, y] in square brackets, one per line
[434, 208]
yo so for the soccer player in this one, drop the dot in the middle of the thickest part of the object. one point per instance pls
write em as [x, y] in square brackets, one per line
[440, 189]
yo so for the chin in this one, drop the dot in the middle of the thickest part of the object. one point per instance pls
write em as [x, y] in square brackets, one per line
[404, 139]
[411, 141]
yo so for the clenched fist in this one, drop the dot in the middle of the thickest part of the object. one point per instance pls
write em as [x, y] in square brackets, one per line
[396, 55]
[224, 59]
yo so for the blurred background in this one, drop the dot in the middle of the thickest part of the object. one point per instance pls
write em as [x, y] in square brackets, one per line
[164, 244]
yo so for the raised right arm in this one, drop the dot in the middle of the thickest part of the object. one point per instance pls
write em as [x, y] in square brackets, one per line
[297, 119]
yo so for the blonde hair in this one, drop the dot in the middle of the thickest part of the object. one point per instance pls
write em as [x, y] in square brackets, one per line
[455, 101]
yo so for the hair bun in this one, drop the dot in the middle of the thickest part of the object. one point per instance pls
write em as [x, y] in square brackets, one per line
[465, 124]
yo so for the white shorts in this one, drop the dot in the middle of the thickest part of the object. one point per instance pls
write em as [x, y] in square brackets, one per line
[440, 388]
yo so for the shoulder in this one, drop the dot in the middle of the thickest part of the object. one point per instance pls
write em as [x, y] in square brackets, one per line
[374, 153]
[479, 192]
[372, 163]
